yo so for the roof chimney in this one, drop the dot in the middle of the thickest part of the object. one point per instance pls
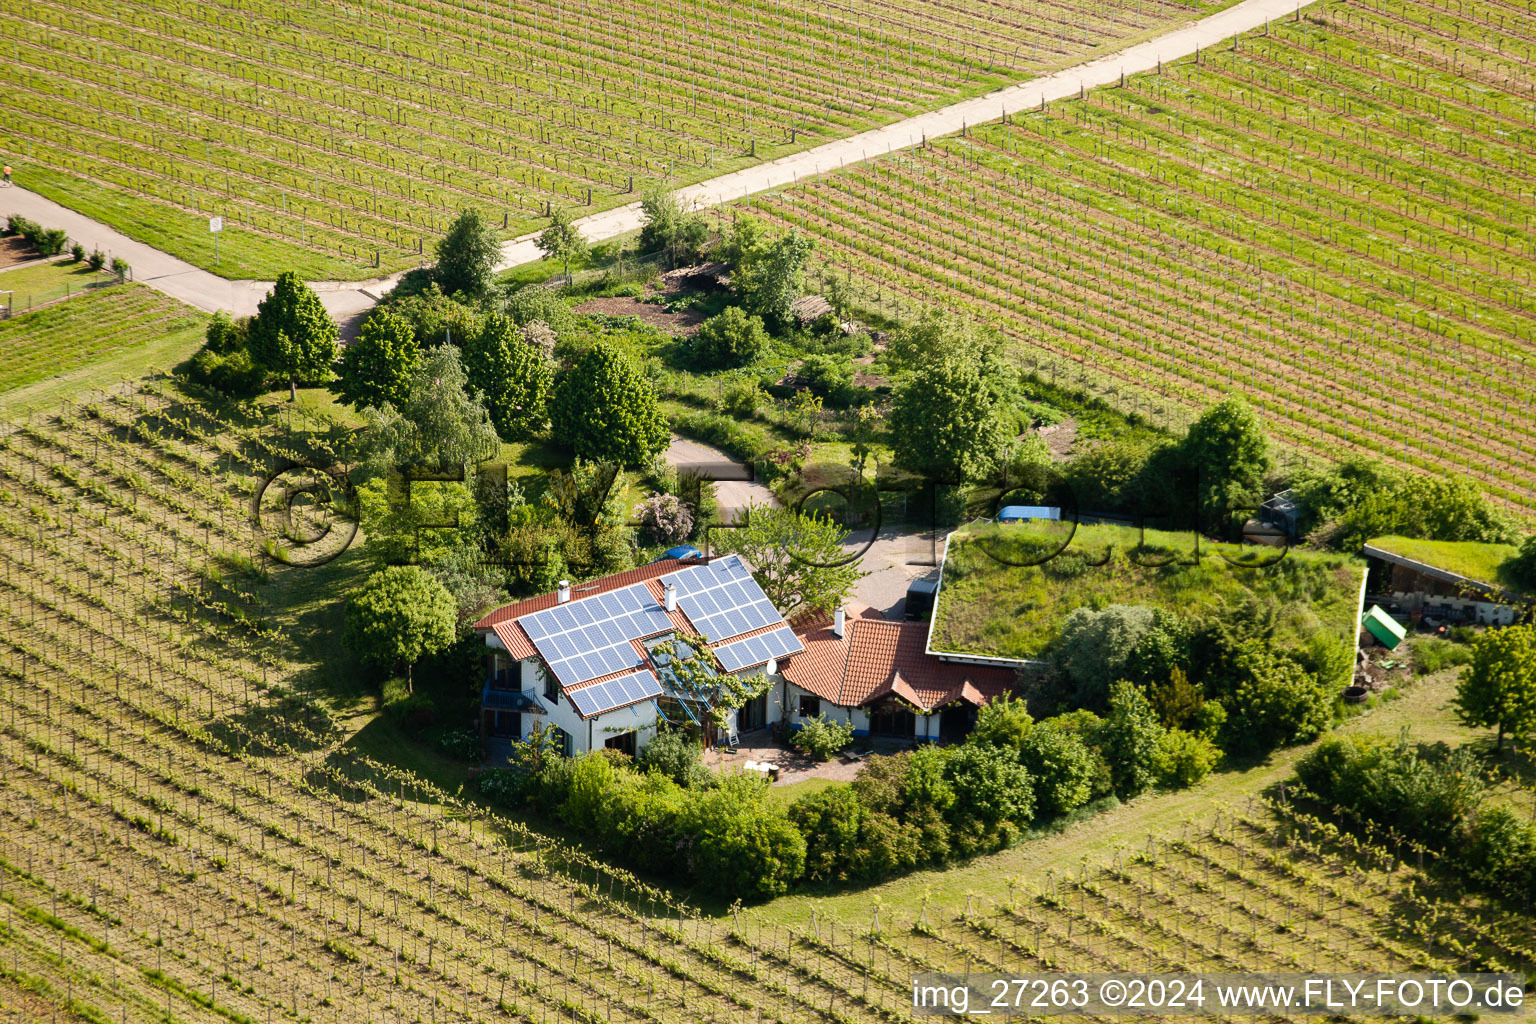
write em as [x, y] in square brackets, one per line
[837, 623]
[671, 597]
[563, 595]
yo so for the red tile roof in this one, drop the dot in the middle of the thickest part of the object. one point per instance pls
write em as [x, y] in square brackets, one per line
[641, 574]
[877, 658]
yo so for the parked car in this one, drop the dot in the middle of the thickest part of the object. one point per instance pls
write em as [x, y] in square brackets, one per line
[681, 551]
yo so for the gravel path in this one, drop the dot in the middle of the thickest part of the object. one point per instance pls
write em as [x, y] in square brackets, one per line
[347, 300]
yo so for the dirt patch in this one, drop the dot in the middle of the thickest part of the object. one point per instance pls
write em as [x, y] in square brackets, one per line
[683, 323]
[14, 250]
[1059, 438]
[863, 378]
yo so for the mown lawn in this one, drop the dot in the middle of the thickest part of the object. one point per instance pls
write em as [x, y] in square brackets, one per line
[43, 282]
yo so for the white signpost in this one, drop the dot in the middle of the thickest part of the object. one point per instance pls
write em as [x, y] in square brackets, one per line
[215, 225]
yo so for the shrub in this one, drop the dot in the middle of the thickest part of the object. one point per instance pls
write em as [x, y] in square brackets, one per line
[1062, 765]
[1128, 738]
[461, 745]
[52, 241]
[821, 737]
[831, 376]
[882, 783]
[926, 783]
[740, 396]
[886, 846]
[1502, 853]
[120, 268]
[76, 253]
[506, 786]
[990, 787]
[1003, 723]
[1521, 569]
[536, 305]
[16, 224]
[225, 334]
[234, 375]
[96, 260]
[1276, 702]
[592, 776]
[676, 755]
[750, 856]
[664, 519]
[831, 821]
[646, 815]
[414, 713]
[1095, 648]
[1184, 759]
[1433, 792]
[729, 339]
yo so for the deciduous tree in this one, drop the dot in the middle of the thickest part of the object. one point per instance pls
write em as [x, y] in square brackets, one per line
[377, 367]
[794, 557]
[439, 424]
[769, 277]
[399, 614]
[511, 376]
[562, 240]
[1498, 689]
[602, 408]
[944, 425]
[467, 255]
[292, 335]
[669, 228]
[1227, 448]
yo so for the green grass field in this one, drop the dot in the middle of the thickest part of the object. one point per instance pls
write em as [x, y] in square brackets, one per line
[93, 340]
[330, 137]
[1332, 217]
[992, 602]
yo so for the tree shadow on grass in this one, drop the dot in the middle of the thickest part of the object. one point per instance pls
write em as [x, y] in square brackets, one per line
[275, 724]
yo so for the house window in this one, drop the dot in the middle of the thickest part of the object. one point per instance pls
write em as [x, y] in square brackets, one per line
[624, 742]
[551, 687]
[810, 706]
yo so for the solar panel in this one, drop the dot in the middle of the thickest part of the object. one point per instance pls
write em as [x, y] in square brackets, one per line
[756, 650]
[590, 637]
[721, 598]
[615, 693]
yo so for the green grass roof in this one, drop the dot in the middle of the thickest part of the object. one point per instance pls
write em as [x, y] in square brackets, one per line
[989, 608]
[1471, 560]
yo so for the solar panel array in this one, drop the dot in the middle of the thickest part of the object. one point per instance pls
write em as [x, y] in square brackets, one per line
[757, 649]
[615, 693]
[585, 639]
[721, 599]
